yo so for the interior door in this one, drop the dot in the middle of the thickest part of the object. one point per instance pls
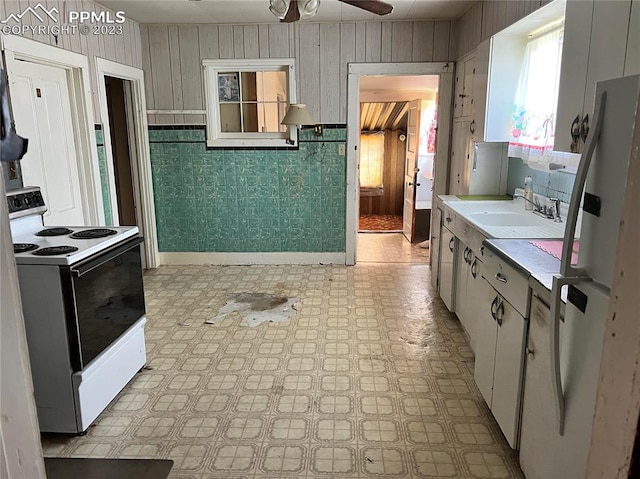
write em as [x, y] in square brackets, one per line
[411, 169]
[42, 111]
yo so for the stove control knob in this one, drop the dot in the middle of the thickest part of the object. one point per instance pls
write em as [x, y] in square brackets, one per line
[37, 198]
[17, 202]
[27, 201]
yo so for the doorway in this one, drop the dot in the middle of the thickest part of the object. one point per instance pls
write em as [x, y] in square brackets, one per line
[126, 144]
[392, 149]
[118, 95]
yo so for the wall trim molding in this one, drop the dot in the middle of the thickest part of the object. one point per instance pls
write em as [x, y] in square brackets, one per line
[250, 258]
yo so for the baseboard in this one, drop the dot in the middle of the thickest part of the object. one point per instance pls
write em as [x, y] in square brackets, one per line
[251, 258]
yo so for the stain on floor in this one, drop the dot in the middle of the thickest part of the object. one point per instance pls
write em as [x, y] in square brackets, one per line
[257, 308]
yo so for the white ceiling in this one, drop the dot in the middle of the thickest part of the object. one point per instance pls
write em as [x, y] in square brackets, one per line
[257, 11]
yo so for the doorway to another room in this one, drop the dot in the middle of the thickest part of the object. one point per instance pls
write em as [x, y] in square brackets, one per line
[397, 121]
[117, 91]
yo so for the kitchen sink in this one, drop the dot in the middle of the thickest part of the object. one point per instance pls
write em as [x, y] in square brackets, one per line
[506, 219]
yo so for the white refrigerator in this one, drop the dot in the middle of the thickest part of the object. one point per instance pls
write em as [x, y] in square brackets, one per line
[561, 384]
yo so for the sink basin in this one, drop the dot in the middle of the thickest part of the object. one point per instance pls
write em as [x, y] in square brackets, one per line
[505, 219]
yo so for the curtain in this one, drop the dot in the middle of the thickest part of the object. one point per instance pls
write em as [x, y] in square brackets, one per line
[533, 123]
[371, 159]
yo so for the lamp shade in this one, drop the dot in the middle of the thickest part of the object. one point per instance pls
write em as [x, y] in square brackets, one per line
[297, 114]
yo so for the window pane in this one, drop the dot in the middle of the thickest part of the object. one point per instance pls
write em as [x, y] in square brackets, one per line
[251, 117]
[275, 86]
[371, 160]
[228, 87]
[251, 86]
[230, 117]
[274, 113]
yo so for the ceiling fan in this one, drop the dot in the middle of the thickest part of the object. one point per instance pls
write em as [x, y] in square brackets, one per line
[293, 10]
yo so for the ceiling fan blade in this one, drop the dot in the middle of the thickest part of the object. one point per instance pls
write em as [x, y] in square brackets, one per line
[374, 6]
[293, 14]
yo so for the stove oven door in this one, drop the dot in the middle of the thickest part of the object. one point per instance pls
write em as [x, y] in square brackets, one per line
[108, 298]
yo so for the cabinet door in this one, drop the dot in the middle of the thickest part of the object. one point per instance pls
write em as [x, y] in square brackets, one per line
[538, 438]
[473, 299]
[434, 247]
[507, 382]
[462, 269]
[486, 334]
[608, 46]
[480, 82]
[467, 90]
[447, 256]
[458, 90]
[460, 149]
[573, 72]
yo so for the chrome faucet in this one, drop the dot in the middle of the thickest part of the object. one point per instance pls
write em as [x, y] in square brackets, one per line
[536, 205]
[555, 209]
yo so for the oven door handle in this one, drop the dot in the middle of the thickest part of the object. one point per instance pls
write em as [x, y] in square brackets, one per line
[87, 266]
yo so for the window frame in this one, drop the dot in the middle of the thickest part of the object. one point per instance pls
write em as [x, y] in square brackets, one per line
[215, 136]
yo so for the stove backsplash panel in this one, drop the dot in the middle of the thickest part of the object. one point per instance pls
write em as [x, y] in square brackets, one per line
[248, 200]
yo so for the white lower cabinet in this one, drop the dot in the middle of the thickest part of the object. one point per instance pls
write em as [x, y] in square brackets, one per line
[468, 287]
[447, 268]
[500, 334]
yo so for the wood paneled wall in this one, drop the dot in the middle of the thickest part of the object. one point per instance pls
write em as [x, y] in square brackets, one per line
[124, 48]
[390, 203]
[172, 58]
[487, 17]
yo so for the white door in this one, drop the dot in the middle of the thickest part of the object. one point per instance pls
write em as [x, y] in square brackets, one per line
[411, 169]
[42, 112]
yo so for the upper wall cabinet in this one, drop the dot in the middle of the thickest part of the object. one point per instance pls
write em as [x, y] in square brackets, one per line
[600, 42]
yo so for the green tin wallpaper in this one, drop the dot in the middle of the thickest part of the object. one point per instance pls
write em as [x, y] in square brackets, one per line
[248, 200]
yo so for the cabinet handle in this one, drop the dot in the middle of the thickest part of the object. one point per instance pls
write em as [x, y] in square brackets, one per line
[482, 250]
[494, 308]
[474, 268]
[575, 134]
[448, 219]
[500, 312]
[472, 127]
[584, 128]
[451, 245]
[500, 277]
[530, 352]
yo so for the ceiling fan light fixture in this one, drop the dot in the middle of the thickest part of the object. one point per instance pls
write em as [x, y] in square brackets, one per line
[308, 8]
[279, 8]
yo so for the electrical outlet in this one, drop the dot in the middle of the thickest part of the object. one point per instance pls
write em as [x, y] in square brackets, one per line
[341, 149]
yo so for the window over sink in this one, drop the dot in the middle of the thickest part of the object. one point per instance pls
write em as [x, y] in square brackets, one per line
[246, 101]
[533, 124]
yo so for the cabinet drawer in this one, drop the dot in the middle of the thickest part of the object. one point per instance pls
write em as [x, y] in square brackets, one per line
[508, 281]
[450, 219]
[468, 235]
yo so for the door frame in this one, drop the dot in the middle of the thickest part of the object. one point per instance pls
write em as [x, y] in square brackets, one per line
[79, 79]
[445, 92]
[139, 152]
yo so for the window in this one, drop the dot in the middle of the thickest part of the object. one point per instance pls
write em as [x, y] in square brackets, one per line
[371, 162]
[532, 129]
[246, 101]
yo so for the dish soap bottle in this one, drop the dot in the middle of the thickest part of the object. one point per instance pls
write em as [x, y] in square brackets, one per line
[528, 193]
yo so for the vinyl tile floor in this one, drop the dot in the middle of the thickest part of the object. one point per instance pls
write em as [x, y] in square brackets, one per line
[372, 379]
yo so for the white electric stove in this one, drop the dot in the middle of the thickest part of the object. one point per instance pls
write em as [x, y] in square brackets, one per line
[83, 303]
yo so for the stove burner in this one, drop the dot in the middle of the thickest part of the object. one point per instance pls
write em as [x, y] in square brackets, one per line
[94, 233]
[24, 247]
[55, 250]
[54, 232]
